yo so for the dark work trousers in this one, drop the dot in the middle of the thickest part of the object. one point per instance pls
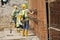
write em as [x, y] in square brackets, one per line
[26, 24]
[14, 19]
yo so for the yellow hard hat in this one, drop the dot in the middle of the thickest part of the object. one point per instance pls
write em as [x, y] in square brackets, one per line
[23, 5]
[20, 15]
[15, 6]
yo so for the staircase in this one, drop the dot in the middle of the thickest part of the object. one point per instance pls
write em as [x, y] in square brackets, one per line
[6, 35]
[5, 20]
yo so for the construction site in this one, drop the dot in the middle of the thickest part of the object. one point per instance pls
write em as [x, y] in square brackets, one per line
[44, 23]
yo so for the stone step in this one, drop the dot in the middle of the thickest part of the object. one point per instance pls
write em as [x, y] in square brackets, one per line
[20, 37]
[6, 35]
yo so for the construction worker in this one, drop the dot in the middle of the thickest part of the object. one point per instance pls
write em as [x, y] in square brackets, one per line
[15, 12]
[19, 24]
[25, 17]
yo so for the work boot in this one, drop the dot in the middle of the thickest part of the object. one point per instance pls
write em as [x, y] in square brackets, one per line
[14, 25]
[26, 32]
[23, 32]
[18, 30]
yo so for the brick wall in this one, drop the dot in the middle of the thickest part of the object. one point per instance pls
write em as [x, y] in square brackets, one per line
[40, 27]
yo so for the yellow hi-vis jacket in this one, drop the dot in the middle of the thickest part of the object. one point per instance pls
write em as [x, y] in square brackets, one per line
[18, 21]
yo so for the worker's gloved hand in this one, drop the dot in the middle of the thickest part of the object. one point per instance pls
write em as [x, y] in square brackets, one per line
[22, 21]
[33, 10]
